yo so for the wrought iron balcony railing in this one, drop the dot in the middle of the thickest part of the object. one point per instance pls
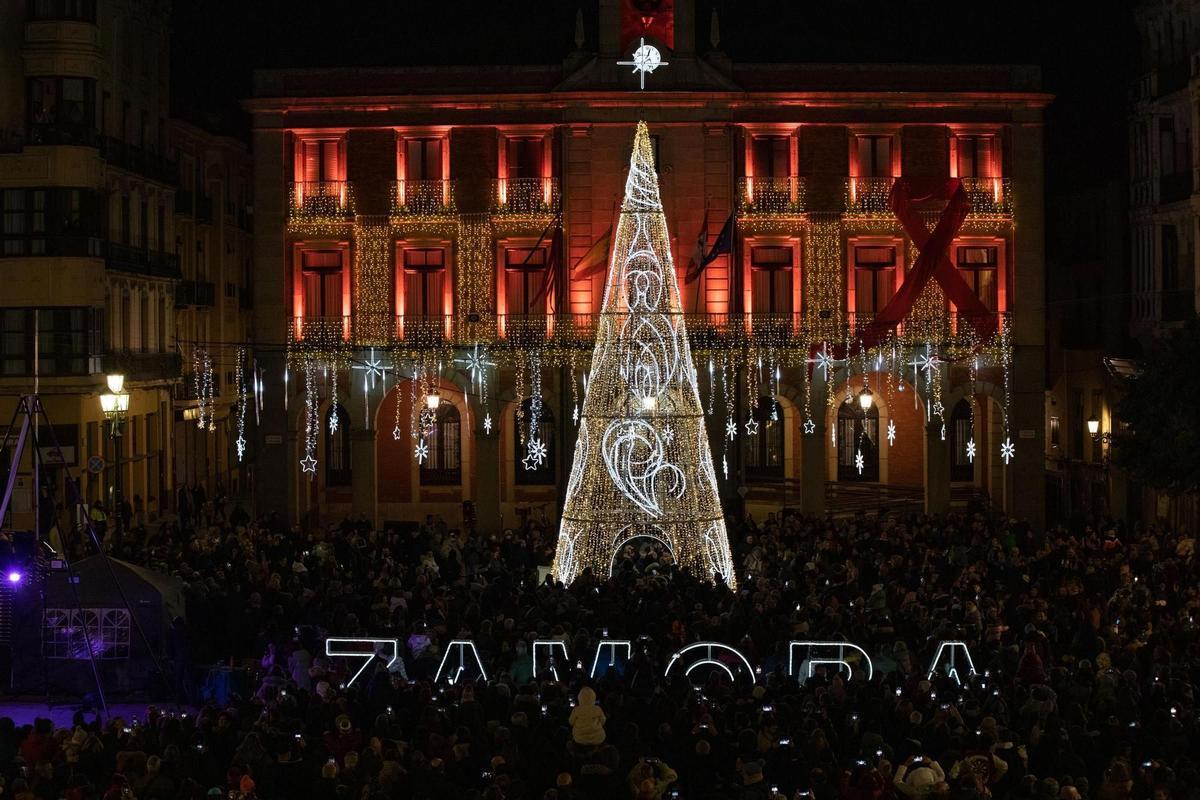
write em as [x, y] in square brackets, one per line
[126, 258]
[706, 331]
[869, 196]
[320, 200]
[423, 198]
[770, 196]
[525, 196]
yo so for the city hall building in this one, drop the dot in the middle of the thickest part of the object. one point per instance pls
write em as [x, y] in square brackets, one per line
[431, 250]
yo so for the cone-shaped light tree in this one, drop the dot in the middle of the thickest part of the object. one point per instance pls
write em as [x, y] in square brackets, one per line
[642, 465]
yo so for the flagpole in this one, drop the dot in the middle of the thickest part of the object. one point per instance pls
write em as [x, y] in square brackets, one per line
[696, 299]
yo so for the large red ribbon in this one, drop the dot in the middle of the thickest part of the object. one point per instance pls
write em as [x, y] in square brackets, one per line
[932, 261]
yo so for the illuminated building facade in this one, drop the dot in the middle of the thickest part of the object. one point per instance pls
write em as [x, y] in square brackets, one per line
[409, 220]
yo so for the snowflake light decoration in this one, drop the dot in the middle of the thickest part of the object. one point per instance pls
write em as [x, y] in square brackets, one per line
[859, 462]
[372, 368]
[1008, 450]
[668, 434]
[752, 427]
[725, 466]
[810, 427]
[535, 454]
[333, 423]
[971, 450]
[421, 452]
[927, 362]
[487, 423]
[476, 363]
[575, 414]
[824, 361]
[309, 464]
[730, 429]
[891, 432]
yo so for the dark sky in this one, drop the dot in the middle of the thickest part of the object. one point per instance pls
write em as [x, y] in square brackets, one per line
[1085, 51]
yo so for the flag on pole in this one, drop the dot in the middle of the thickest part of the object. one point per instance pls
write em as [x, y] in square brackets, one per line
[553, 260]
[722, 246]
[694, 267]
[596, 258]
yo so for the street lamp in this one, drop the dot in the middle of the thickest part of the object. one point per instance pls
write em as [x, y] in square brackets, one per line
[865, 398]
[433, 400]
[1093, 426]
[115, 404]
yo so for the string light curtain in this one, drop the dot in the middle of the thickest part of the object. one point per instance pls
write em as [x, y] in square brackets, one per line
[642, 466]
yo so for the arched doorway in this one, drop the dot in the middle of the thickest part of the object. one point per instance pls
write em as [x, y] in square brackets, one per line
[857, 441]
[962, 442]
[443, 464]
[638, 548]
[766, 449]
[337, 447]
[534, 451]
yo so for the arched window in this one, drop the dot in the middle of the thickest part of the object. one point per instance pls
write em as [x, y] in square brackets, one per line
[962, 468]
[530, 469]
[337, 447]
[857, 433]
[443, 466]
[764, 456]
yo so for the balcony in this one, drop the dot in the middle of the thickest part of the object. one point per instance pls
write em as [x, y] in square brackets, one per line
[140, 261]
[990, 197]
[1175, 188]
[525, 197]
[137, 366]
[796, 331]
[423, 198]
[317, 202]
[63, 133]
[139, 160]
[770, 197]
[195, 293]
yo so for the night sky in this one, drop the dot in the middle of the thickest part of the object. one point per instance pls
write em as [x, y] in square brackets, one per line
[1085, 50]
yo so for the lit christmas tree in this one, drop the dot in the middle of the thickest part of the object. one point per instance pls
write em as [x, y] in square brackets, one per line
[642, 464]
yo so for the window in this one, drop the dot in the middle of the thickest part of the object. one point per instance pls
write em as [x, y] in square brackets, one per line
[977, 265]
[874, 278]
[422, 159]
[424, 282]
[1166, 145]
[771, 279]
[50, 222]
[772, 156]
[524, 157]
[443, 466]
[1055, 432]
[319, 160]
[857, 433]
[962, 468]
[524, 274]
[24, 222]
[61, 110]
[531, 471]
[974, 155]
[337, 447]
[67, 632]
[68, 338]
[81, 10]
[874, 156]
[321, 274]
[765, 456]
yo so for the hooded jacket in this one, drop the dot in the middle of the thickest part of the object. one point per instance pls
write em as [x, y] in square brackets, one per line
[587, 720]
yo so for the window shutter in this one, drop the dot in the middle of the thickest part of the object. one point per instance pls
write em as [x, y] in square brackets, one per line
[311, 161]
[329, 160]
[414, 303]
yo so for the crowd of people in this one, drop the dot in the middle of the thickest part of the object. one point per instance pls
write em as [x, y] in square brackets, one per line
[1083, 640]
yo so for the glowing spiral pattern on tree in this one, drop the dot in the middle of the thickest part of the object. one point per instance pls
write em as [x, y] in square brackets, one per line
[642, 460]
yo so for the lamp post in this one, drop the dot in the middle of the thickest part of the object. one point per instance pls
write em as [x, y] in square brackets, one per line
[115, 404]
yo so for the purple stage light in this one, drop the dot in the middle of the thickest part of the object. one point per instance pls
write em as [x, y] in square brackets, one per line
[14, 577]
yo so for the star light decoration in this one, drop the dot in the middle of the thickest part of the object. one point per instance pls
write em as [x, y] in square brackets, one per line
[751, 427]
[1008, 450]
[971, 450]
[535, 454]
[476, 363]
[421, 452]
[309, 464]
[891, 432]
[645, 60]
[810, 427]
[372, 368]
[396, 433]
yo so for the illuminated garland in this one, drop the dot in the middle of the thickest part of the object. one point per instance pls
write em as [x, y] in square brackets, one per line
[372, 281]
[242, 399]
[202, 382]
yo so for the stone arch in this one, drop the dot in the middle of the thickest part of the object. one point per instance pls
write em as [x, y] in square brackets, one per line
[505, 430]
[633, 532]
[901, 462]
[987, 406]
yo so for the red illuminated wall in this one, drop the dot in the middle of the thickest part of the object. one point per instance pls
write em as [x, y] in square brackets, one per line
[654, 19]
